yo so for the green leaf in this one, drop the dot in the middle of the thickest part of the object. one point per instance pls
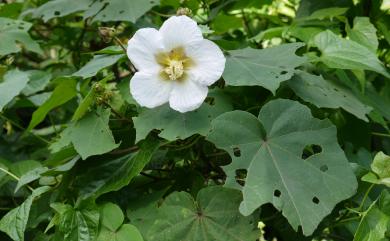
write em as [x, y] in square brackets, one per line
[117, 173]
[30, 176]
[112, 229]
[327, 13]
[92, 135]
[375, 221]
[364, 33]
[381, 170]
[175, 125]
[326, 94]
[13, 32]
[64, 92]
[125, 232]
[59, 8]
[273, 148]
[84, 105]
[119, 10]
[111, 216]
[213, 216]
[15, 221]
[347, 54]
[262, 67]
[38, 81]
[13, 83]
[76, 224]
[96, 64]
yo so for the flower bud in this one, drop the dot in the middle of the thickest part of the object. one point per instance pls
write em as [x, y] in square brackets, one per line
[107, 33]
[184, 11]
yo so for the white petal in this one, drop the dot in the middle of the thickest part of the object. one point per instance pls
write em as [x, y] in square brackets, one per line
[179, 31]
[143, 47]
[209, 62]
[149, 89]
[187, 95]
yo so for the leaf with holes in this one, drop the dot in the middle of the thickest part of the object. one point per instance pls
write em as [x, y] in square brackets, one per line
[265, 67]
[213, 216]
[119, 10]
[277, 150]
[326, 94]
[59, 8]
[13, 32]
[175, 125]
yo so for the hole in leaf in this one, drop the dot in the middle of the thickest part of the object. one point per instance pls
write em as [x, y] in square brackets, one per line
[210, 100]
[277, 193]
[324, 168]
[283, 72]
[316, 200]
[21, 27]
[335, 89]
[311, 150]
[121, 11]
[103, 15]
[240, 176]
[57, 13]
[236, 152]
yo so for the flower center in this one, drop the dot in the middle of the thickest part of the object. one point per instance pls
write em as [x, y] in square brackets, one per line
[175, 69]
[174, 64]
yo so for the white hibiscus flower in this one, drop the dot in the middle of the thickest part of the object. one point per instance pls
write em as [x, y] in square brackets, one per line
[175, 64]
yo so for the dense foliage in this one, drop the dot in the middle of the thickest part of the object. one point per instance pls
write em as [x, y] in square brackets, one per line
[290, 144]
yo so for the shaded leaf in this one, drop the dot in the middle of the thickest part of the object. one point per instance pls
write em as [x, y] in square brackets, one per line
[375, 221]
[76, 224]
[15, 221]
[117, 173]
[208, 218]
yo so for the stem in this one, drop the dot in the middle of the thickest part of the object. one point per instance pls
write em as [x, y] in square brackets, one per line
[380, 134]
[119, 42]
[23, 129]
[14, 177]
[366, 196]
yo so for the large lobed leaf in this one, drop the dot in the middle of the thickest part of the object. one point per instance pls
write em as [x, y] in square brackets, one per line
[271, 149]
[213, 216]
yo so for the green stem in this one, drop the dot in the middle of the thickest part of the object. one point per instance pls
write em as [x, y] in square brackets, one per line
[23, 129]
[365, 197]
[14, 177]
[380, 134]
